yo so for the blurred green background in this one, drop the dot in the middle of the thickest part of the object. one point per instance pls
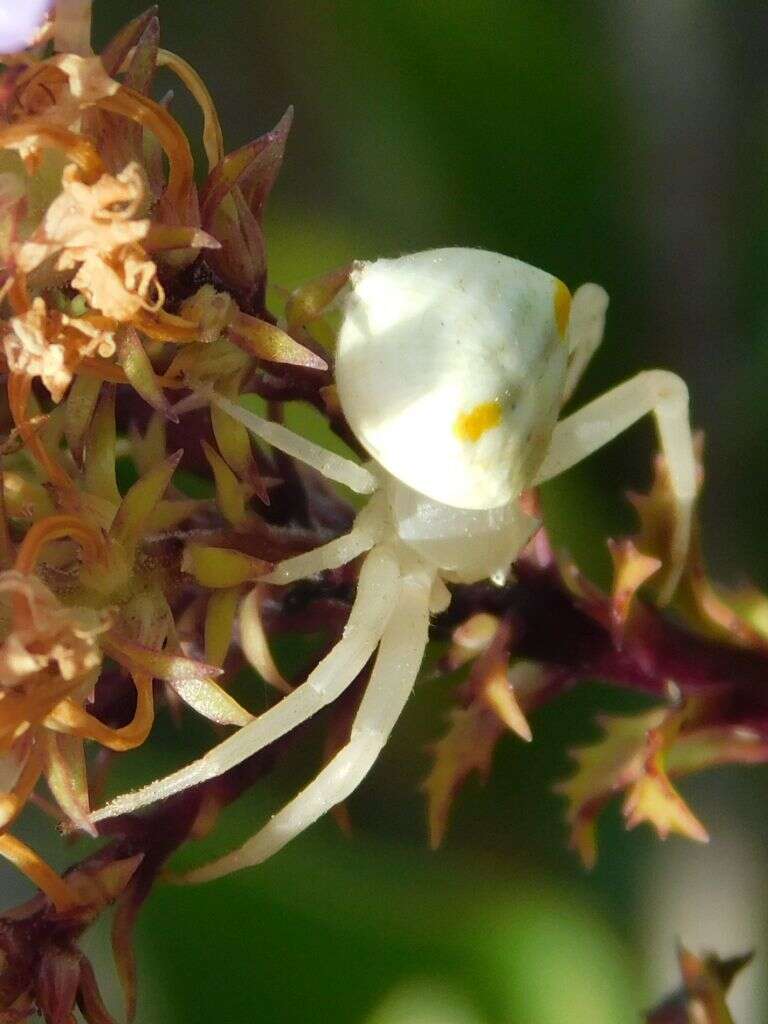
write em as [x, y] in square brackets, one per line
[624, 141]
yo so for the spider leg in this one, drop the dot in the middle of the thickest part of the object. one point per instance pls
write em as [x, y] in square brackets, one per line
[585, 332]
[394, 673]
[366, 531]
[332, 466]
[377, 591]
[666, 396]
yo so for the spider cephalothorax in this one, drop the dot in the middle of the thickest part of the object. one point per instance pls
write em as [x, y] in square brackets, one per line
[452, 368]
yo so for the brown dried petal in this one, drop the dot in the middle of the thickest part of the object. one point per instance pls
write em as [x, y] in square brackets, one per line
[706, 981]
[94, 229]
[628, 757]
[65, 773]
[254, 168]
[117, 49]
[58, 979]
[51, 345]
[55, 635]
[467, 747]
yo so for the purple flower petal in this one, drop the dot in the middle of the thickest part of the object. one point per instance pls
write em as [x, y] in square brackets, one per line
[19, 20]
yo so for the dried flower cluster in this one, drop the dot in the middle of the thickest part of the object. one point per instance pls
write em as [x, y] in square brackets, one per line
[129, 296]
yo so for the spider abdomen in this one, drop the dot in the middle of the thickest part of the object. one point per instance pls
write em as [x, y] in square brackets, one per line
[450, 369]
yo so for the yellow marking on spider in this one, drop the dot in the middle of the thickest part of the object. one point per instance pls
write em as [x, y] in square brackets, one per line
[470, 426]
[562, 303]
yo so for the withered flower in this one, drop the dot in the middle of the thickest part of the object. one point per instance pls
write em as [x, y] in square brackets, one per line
[47, 636]
[50, 345]
[95, 230]
[97, 595]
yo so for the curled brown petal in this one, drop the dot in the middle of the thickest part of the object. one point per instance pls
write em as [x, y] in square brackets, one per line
[78, 149]
[58, 527]
[77, 721]
[180, 193]
[34, 867]
[19, 391]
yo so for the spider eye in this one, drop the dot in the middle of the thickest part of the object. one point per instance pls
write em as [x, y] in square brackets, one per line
[470, 426]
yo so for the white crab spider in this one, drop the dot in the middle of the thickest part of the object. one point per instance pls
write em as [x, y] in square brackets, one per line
[452, 367]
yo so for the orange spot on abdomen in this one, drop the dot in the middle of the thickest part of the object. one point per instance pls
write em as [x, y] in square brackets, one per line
[470, 426]
[562, 303]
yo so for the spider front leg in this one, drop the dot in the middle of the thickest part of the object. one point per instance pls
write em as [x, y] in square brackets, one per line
[666, 396]
[377, 593]
[333, 467]
[394, 674]
[586, 324]
[366, 531]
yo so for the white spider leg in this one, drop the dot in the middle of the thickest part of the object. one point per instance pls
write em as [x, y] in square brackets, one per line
[377, 591]
[394, 674]
[366, 531]
[585, 332]
[332, 466]
[666, 396]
